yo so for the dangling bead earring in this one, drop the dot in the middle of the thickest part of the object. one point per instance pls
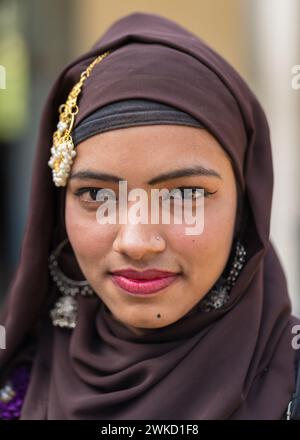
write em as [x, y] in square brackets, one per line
[218, 296]
[64, 313]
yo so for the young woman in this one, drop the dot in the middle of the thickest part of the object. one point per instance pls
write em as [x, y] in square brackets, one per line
[142, 320]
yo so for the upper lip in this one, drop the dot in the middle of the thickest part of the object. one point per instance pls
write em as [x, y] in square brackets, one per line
[145, 274]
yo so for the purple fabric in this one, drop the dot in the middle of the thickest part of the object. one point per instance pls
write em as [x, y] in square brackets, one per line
[19, 380]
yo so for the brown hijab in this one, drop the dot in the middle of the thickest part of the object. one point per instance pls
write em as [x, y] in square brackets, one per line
[236, 362]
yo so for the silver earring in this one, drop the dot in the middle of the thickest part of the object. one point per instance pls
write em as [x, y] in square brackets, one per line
[64, 312]
[218, 296]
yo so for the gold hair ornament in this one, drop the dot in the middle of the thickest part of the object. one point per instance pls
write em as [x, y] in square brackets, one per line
[62, 150]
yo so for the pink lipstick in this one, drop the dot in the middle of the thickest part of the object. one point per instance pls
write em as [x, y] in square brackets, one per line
[143, 283]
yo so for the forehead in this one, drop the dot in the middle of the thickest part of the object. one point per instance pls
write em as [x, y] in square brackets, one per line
[146, 150]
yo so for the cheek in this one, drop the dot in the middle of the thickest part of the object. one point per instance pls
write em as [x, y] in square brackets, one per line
[220, 220]
[211, 248]
[90, 240]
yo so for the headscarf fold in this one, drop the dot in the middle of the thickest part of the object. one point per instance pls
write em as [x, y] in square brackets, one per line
[236, 362]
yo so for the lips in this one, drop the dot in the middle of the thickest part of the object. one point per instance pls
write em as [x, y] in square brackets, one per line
[143, 275]
[143, 282]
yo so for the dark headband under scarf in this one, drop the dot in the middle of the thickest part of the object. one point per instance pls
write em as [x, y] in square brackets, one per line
[130, 113]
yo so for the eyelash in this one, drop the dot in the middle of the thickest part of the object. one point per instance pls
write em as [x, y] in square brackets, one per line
[82, 191]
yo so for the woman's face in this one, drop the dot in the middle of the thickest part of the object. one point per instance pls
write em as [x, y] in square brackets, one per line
[138, 155]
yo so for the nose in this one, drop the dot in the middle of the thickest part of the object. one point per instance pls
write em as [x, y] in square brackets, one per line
[138, 241]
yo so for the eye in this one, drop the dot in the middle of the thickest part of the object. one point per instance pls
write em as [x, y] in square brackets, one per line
[98, 195]
[94, 195]
[184, 192]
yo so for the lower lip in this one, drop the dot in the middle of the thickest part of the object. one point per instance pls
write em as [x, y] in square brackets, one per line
[143, 287]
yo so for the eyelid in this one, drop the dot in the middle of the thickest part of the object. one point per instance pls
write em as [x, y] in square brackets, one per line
[205, 192]
[79, 192]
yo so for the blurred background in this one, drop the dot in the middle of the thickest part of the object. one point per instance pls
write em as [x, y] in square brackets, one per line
[260, 38]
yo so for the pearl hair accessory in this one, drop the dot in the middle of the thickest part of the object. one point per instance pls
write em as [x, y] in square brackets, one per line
[62, 150]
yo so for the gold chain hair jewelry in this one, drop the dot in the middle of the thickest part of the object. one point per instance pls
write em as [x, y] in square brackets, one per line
[62, 150]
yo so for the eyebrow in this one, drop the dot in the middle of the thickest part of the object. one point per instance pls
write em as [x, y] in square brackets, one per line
[184, 172]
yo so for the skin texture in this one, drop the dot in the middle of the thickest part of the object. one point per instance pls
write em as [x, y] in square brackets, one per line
[138, 154]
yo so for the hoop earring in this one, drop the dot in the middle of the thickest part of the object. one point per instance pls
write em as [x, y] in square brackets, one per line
[64, 312]
[218, 296]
